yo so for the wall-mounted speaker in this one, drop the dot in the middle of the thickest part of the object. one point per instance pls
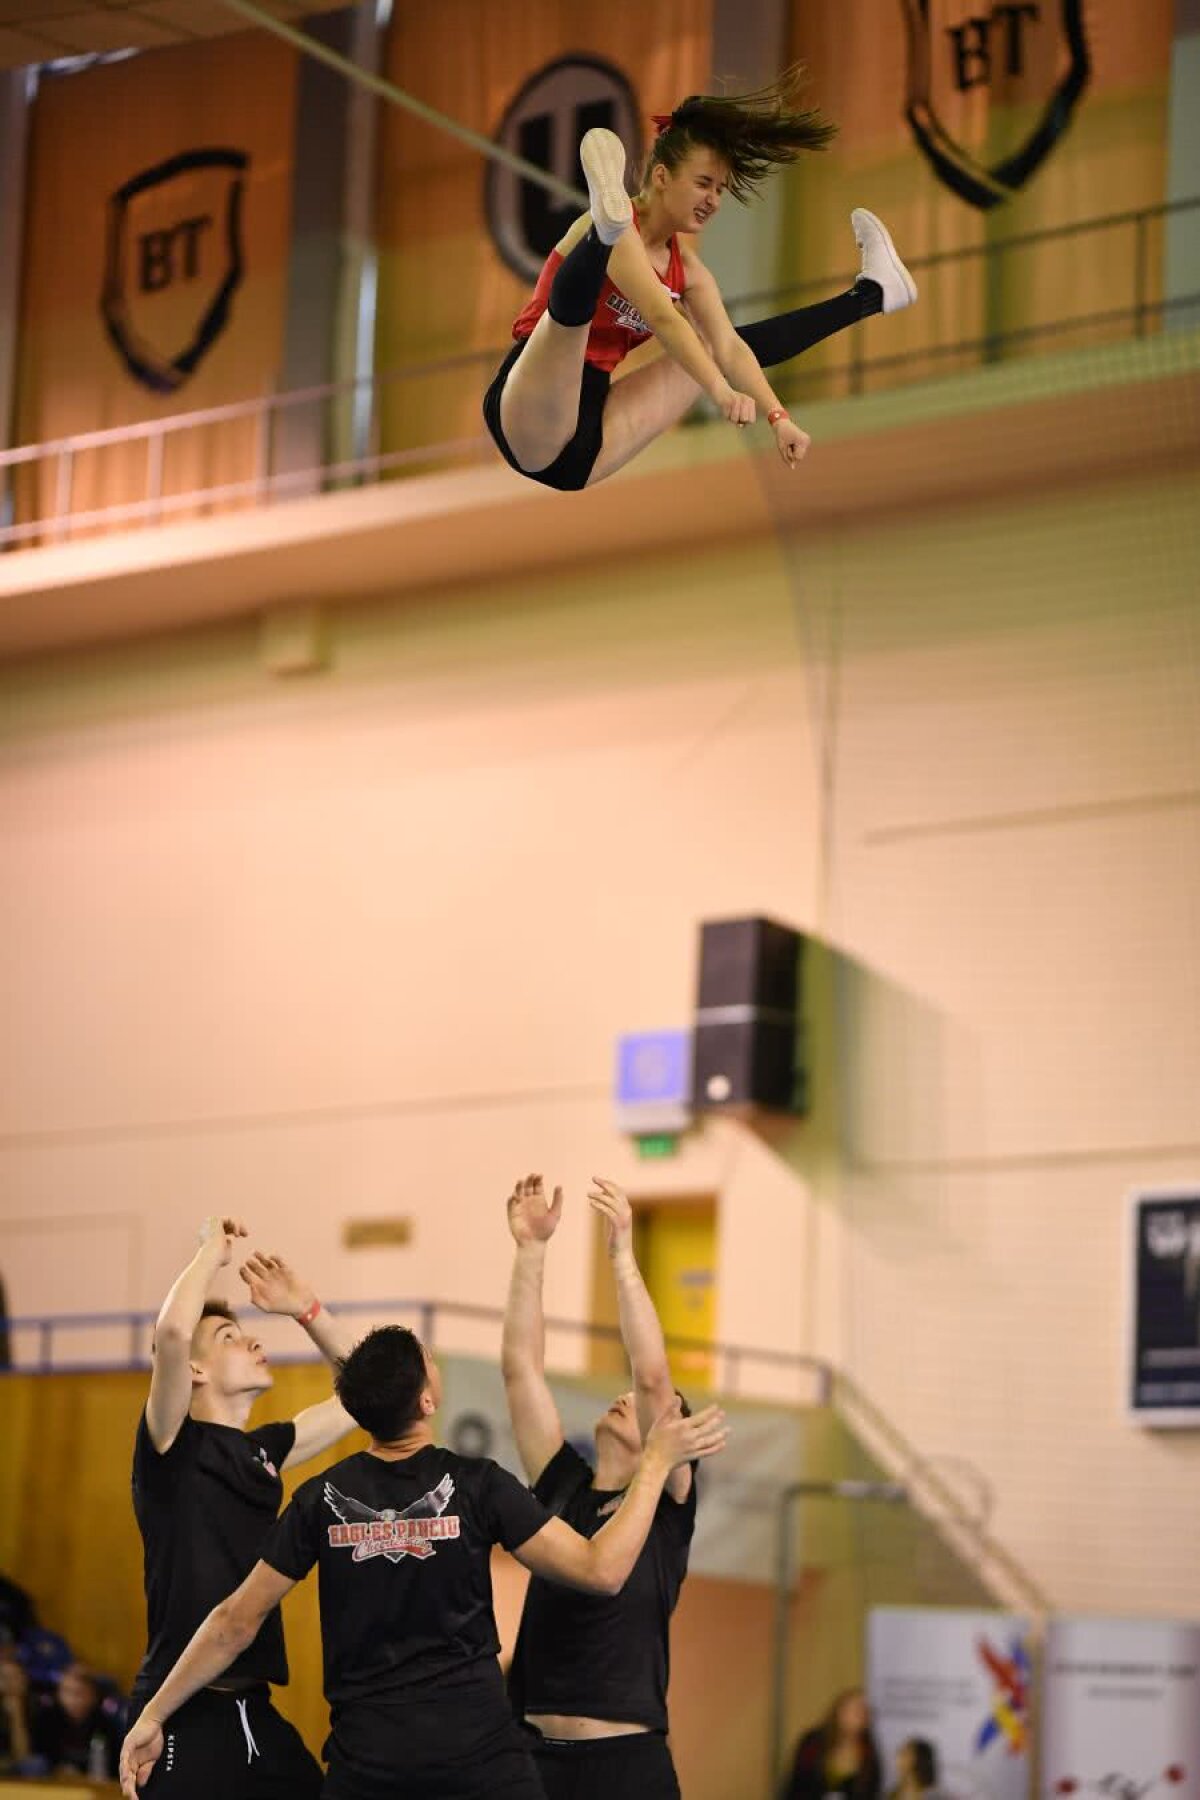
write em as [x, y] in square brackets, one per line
[747, 1040]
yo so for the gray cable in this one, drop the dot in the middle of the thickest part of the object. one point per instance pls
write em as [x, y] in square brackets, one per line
[387, 90]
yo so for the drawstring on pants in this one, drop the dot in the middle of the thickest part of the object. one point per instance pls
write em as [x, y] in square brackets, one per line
[252, 1749]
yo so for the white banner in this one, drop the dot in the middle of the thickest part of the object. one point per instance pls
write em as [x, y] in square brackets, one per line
[739, 1490]
[1121, 1710]
[959, 1682]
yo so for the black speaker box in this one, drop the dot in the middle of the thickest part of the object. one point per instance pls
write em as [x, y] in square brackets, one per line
[746, 1049]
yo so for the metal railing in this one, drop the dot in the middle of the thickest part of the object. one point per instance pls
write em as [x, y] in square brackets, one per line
[911, 1480]
[730, 1362]
[1132, 314]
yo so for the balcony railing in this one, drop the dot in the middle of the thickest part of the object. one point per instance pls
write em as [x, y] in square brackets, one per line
[74, 1343]
[1129, 244]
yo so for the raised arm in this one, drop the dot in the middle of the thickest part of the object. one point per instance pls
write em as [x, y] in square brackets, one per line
[535, 1421]
[737, 362]
[276, 1288]
[603, 1564]
[641, 1332]
[229, 1629]
[171, 1379]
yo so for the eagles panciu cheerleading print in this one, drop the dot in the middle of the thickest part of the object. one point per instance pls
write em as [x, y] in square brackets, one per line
[206, 1494]
[627, 270]
[401, 1537]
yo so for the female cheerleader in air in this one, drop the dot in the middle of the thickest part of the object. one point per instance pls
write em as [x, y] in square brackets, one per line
[615, 280]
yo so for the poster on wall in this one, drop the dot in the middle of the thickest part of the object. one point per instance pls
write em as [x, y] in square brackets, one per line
[1121, 1709]
[1163, 1370]
[959, 1683]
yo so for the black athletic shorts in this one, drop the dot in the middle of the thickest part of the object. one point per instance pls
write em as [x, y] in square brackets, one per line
[573, 465]
[235, 1746]
[636, 1766]
[430, 1748]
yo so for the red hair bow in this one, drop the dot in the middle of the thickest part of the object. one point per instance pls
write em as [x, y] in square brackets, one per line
[662, 121]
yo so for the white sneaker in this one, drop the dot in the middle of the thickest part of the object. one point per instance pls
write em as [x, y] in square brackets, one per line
[880, 262]
[603, 157]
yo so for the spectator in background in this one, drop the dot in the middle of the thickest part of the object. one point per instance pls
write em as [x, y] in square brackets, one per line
[15, 1745]
[917, 1769]
[78, 1729]
[837, 1756]
[17, 1617]
[45, 1654]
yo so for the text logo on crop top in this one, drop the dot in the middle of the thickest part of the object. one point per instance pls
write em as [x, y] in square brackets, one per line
[390, 1533]
[626, 315]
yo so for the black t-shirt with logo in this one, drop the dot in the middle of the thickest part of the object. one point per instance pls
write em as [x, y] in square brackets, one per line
[403, 1557]
[204, 1509]
[596, 1655]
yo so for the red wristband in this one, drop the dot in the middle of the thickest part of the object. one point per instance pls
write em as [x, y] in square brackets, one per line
[776, 413]
[306, 1318]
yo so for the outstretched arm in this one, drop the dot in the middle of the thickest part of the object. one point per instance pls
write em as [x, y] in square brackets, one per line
[171, 1380]
[631, 270]
[229, 1629]
[276, 1288]
[603, 1564]
[535, 1421]
[735, 359]
[641, 1332]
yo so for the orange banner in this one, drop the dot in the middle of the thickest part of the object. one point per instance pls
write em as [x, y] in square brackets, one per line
[965, 125]
[460, 242]
[157, 232]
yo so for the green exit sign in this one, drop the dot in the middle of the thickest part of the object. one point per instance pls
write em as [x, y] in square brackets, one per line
[659, 1143]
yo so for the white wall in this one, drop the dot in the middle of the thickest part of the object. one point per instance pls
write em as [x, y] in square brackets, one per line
[362, 945]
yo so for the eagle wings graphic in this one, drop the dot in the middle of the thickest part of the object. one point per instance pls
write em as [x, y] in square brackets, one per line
[355, 1512]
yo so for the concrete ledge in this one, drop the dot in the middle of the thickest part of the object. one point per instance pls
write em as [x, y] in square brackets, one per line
[1036, 425]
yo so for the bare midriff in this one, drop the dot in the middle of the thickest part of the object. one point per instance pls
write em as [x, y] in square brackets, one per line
[570, 1725]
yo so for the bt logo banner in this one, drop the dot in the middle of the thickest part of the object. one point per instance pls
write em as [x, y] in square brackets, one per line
[992, 88]
[174, 260]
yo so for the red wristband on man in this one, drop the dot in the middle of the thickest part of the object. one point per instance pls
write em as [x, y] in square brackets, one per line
[306, 1318]
[776, 413]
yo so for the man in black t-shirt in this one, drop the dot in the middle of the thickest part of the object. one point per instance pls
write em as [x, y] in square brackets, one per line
[206, 1493]
[589, 1676]
[401, 1536]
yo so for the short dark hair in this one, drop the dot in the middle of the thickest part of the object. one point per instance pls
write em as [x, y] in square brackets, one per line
[381, 1380]
[212, 1309]
[215, 1309]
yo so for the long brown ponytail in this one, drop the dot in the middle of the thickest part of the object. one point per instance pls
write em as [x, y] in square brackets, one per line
[753, 133]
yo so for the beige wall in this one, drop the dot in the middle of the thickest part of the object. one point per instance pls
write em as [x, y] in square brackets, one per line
[362, 945]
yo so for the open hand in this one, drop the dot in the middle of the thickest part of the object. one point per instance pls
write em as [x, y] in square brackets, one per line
[217, 1226]
[681, 1440]
[274, 1288]
[530, 1219]
[612, 1204]
[141, 1750]
[791, 442]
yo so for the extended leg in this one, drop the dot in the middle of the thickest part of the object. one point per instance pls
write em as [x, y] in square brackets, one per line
[646, 404]
[539, 408]
[884, 285]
